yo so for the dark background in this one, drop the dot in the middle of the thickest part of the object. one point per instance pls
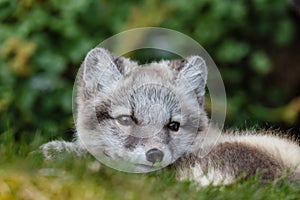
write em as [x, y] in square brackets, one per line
[255, 44]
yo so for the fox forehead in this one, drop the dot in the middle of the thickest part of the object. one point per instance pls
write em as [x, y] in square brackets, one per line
[154, 71]
[147, 108]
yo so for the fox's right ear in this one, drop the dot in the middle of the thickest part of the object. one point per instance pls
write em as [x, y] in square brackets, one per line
[101, 69]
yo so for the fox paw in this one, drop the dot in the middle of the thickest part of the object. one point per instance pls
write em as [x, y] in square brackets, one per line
[53, 149]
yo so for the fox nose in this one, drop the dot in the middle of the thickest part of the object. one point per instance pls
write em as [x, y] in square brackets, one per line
[154, 155]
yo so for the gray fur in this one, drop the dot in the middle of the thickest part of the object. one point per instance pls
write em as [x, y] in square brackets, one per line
[223, 157]
[154, 95]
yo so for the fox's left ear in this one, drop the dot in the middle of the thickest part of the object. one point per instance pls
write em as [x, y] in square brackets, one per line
[193, 71]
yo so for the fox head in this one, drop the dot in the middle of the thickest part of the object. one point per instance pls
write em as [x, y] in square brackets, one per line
[139, 118]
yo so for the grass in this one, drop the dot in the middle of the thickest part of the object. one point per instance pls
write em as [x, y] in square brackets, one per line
[25, 175]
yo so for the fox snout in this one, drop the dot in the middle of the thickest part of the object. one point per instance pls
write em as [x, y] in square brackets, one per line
[154, 155]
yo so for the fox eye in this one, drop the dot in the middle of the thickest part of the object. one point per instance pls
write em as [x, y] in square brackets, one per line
[174, 126]
[125, 120]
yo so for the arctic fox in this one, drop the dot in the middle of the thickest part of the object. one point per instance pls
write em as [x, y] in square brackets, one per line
[152, 116]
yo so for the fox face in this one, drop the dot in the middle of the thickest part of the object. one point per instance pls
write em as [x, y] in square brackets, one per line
[139, 118]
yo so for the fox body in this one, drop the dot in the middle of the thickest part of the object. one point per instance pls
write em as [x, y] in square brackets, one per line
[141, 118]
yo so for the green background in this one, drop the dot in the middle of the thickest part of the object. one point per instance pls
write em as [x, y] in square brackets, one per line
[255, 44]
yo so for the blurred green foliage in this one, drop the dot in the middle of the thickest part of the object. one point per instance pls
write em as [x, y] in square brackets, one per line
[44, 42]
